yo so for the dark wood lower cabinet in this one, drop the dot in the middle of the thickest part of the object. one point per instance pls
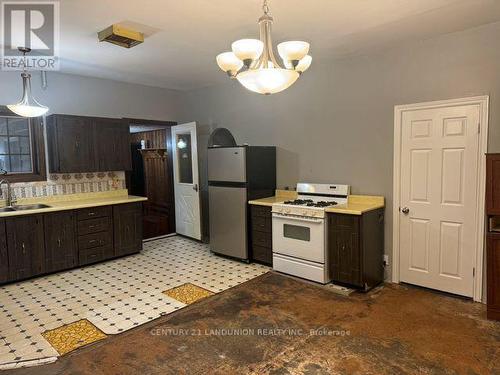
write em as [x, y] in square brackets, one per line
[60, 241]
[25, 243]
[4, 256]
[261, 247]
[493, 275]
[127, 226]
[356, 249]
[31, 245]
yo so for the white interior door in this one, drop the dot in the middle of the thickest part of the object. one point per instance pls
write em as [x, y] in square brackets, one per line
[438, 195]
[186, 180]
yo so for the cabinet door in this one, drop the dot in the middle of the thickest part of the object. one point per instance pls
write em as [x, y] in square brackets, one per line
[344, 249]
[113, 145]
[74, 136]
[60, 241]
[127, 220]
[25, 242]
[493, 271]
[493, 184]
[4, 259]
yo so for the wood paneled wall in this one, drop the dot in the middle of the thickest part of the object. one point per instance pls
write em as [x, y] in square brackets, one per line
[154, 138]
[159, 215]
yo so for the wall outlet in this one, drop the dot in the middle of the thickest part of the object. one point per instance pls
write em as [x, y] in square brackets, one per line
[386, 260]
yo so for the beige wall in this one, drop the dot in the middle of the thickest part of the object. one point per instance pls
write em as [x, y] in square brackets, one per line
[87, 96]
[336, 123]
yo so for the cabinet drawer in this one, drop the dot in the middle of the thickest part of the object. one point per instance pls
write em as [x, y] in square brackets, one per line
[262, 239]
[262, 254]
[102, 224]
[94, 212]
[262, 224]
[90, 241]
[263, 211]
[96, 254]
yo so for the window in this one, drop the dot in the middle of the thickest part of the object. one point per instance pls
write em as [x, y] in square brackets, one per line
[22, 153]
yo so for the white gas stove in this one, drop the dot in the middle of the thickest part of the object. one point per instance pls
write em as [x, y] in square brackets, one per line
[299, 230]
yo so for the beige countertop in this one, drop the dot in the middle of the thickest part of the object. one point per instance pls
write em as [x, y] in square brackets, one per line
[74, 201]
[280, 196]
[356, 205]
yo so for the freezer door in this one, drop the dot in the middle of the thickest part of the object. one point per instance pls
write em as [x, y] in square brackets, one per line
[227, 164]
[228, 221]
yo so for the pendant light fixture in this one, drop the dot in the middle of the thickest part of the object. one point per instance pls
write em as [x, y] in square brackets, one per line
[28, 106]
[253, 64]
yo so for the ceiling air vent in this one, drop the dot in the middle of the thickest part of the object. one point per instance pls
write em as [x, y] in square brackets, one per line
[121, 36]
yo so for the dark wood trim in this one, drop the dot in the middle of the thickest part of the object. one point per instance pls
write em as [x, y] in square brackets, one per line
[37, 150]
[132, 121]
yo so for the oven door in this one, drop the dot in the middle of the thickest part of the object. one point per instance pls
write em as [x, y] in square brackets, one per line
[302, 238]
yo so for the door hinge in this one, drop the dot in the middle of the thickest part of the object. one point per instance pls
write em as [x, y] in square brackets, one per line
[473, 271]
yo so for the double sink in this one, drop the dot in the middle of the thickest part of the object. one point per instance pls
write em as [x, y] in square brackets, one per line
[24, 207]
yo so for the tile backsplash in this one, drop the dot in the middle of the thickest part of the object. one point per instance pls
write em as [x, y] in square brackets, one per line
[70, 183]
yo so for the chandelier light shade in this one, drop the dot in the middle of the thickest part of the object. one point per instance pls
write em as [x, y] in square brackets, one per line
[229, 63]
[28, 106]
[253, 63]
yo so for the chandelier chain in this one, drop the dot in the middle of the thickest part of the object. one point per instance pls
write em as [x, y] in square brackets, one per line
[265, 7]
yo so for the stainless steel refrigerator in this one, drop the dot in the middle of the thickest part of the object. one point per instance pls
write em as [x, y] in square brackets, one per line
[235, 176]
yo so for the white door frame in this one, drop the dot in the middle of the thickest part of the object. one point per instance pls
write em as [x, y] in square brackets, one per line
[482, 102]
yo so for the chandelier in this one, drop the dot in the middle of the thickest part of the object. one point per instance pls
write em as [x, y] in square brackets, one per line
[253, 64]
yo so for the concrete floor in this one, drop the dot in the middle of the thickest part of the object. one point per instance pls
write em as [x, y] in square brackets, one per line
[393, 330]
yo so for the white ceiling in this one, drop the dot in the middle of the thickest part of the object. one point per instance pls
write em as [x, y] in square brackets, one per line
[184, 36]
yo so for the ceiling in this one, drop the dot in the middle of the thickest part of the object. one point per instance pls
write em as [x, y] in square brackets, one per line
[184, 36]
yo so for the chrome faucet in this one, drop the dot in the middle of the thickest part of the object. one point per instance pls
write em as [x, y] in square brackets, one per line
[9, 198]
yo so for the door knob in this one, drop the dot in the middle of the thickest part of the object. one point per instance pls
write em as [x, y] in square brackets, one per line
[405, 210]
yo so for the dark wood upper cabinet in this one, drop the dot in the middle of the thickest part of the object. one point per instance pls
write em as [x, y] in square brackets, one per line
[4, 259]
[25, 242]
[127, 220]
[493, 184]
[112, 140]
[87, 144]
[60, 241]
[70, 144]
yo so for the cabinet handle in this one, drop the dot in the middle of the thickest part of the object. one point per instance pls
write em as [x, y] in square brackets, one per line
[23, 246]
[59, 242]
[91, 226]
[91, 213]
[92, 241]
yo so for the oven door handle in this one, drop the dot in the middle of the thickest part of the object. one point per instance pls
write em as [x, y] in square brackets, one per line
[303, 219]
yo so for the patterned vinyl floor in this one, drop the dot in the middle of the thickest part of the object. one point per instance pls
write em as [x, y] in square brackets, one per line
[113, 296]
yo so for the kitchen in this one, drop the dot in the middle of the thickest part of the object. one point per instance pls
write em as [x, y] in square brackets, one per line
[301, 209]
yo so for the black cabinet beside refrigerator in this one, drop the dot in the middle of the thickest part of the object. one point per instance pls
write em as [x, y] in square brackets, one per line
[235, 176]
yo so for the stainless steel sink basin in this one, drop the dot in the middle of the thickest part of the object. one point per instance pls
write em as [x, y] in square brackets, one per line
[6, 209]
[24, 207]
[29, 207]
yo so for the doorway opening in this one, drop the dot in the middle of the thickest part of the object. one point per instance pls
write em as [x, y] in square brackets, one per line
[152, 174]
